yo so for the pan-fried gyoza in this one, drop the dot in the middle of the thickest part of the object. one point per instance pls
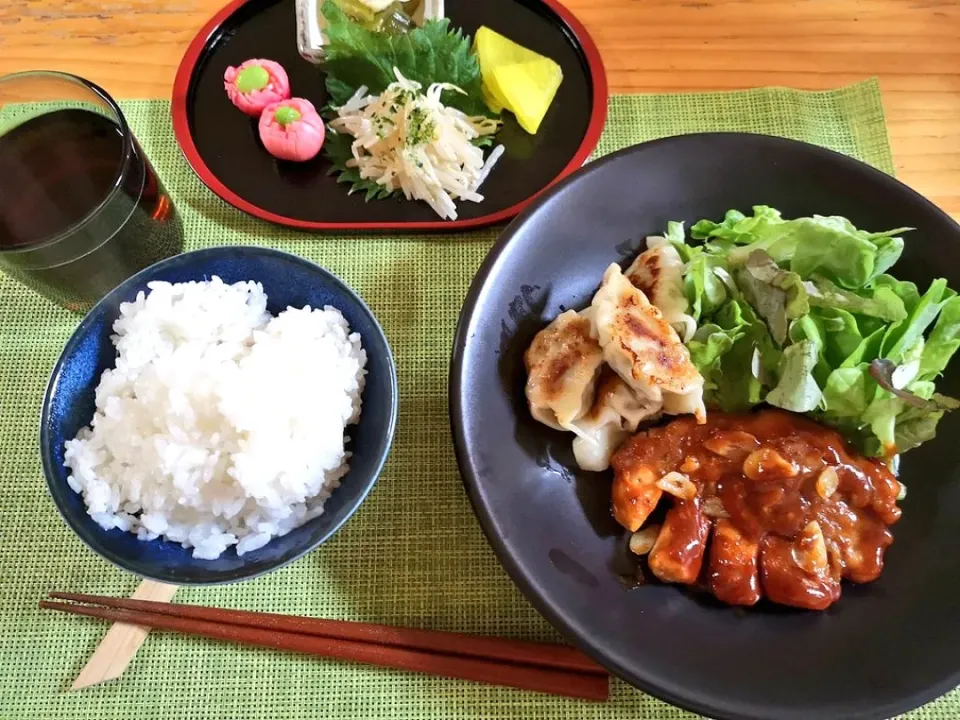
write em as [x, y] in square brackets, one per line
[605, 371]
[562, 365]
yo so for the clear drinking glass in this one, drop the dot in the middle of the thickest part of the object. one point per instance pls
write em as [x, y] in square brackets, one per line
[81, 208]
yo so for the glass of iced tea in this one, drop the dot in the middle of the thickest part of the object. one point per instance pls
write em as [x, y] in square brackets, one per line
[81, 208]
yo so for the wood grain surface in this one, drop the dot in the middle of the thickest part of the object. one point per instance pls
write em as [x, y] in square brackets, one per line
[132, 48]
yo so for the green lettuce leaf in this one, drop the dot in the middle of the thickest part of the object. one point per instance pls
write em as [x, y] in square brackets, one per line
[707, 348]
[943, 342]
[769, 302]
[845, 394]
[811, 328]
[881, 417]
[737, 227]
[897, 427]
[734, 314]
[675, 233]
[867, 350]
[677, 237]
[903, 336]
[882, 302]
[834, 248]
[738, 314]
[797, 389]
[704, 290]
[748, 367]
[901, 381]
[777, 295]
[828, 246]
[915, 426]
[804, 311]
[765, 230]
[912, 431]
[889, 248]
[896, 423]
[841, 334]
[764, 269]
[736, 387]
[905, 290]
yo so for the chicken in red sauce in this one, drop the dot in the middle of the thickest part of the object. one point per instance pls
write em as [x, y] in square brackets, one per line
[768, 504]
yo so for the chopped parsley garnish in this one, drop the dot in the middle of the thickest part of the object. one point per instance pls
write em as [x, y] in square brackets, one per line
[420, 129]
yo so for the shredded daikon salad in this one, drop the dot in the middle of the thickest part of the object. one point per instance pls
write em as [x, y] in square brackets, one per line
[408, 140]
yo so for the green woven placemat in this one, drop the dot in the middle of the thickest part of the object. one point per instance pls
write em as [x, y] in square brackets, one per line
[413, 554]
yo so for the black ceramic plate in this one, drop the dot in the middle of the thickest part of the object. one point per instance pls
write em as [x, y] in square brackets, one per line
[223, 148]
[883, 648]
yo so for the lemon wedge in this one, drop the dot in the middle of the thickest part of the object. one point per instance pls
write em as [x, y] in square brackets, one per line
[516, 78]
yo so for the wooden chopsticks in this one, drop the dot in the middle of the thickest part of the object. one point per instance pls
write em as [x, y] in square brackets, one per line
[541, 667]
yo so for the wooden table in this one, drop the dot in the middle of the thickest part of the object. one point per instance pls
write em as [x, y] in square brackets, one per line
[132, 48]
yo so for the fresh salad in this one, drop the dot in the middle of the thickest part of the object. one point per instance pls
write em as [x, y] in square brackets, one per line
[804, 314]
[414, 111]
[404, 106]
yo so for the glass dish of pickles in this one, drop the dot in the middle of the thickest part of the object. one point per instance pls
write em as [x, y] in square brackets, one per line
[394, 16]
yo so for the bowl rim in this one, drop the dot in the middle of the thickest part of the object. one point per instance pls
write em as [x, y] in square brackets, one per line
[51, 387]
[564, 621]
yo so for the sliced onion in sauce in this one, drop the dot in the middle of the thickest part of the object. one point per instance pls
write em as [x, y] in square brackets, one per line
[690, 464]
[678, 485]
[768, 464]
[713, 508]
[827, 483]
[810, 550]
[642, 541]
[731, 443]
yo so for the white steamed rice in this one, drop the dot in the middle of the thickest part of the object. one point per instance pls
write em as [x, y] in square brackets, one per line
[220, 425]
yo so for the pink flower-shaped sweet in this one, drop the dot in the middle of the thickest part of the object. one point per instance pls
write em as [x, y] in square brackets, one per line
[256, 84]
[292, 130]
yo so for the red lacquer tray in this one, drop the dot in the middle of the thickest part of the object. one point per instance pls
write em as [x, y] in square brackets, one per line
[222, 146]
